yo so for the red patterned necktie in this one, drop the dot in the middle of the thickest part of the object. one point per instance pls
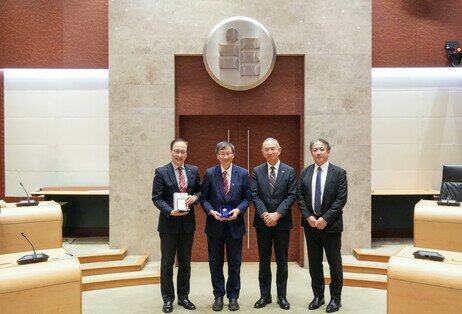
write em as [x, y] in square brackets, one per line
[225, 183]
[182, 180]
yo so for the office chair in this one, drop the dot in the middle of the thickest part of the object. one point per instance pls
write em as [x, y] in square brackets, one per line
[451, 185]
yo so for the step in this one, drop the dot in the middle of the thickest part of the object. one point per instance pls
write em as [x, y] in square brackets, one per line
[362, 280]
[370, 255]
[128, 264]
[148, 275]
[365, 269]
[112, 255]
[353, 265]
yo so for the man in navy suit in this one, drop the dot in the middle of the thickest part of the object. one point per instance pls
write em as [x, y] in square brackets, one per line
[274, 188]
[322, 194]
[176, 227]
[225, 185]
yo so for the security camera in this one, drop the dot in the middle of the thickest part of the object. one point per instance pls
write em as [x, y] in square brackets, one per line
[454, 52]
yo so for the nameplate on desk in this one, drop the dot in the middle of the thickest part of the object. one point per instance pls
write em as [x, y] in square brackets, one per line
[448, 203]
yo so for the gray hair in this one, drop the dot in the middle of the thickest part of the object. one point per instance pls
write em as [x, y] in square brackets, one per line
[271, 139]
[322, 141]
[223, 145]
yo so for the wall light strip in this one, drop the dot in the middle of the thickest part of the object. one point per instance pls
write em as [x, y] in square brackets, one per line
[417, 77]
[42, 79]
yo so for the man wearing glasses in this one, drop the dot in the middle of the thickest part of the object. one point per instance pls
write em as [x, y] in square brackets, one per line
[176, 222]
[225, 198]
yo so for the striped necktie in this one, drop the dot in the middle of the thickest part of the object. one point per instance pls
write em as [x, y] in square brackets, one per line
[225, 183]
[272, 179]
[182, 180]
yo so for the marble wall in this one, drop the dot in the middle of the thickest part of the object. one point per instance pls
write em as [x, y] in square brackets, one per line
[144, 36]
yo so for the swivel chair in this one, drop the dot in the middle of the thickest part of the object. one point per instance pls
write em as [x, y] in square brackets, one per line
[451, 185]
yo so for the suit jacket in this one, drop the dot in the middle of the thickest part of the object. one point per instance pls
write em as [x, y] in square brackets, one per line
[213, 196]
[333, 200]
[163, 187]
[282, 198]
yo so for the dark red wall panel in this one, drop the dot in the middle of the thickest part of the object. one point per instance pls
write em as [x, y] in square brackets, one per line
[281, 94]
[411, 33]
[85, 34]
[31, 34]
[53, 34]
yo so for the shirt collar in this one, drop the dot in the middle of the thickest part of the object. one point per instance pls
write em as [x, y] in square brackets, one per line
[276, 166]
[175, 167]
[228, 171]
[324, 167]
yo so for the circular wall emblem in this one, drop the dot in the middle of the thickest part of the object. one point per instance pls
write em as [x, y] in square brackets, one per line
[239, 53]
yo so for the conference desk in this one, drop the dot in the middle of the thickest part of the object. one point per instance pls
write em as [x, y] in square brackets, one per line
[392, 211]
[53, 286]
[424, 286]
[438, 227]
[42, 224]
[85, 209]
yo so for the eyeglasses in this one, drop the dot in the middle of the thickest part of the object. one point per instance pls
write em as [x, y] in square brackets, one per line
[225, 154]
[179, 152]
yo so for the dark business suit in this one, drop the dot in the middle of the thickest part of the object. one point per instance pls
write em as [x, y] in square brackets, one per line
[176, 232]
[229, 233]
[333, 200]
[281, 200]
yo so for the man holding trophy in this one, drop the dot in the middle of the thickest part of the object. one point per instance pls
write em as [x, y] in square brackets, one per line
[225, 197]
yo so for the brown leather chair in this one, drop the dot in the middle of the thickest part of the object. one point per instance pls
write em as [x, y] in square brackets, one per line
[451, 185]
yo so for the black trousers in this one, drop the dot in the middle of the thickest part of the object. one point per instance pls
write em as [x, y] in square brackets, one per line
[265, 238]
[171, 244]
[216, 247]
[316, 241]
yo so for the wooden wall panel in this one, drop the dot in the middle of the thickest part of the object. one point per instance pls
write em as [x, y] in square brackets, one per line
[197, 94]
[282, 92]
[411, 33]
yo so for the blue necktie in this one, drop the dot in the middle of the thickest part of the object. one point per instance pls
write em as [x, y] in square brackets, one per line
[317, 193]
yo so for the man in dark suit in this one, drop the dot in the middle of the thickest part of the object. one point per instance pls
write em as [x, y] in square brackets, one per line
[225, 185]
[176, 227]
[274, 188]
[322, 194]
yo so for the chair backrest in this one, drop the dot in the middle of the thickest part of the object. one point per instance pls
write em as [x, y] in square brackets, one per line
[451, 185]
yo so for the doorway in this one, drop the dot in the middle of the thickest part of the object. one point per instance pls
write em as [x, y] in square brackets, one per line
[247, 134]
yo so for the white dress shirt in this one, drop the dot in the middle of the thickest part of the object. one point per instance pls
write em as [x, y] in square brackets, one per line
[324, 168]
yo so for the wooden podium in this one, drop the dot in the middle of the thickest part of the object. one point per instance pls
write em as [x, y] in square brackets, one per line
[438, 227]
[41, 224]
[48, 287]
[424, 286]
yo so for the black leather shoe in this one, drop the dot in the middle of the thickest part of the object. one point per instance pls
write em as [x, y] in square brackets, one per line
[218, 304]
[187, 304]
[316, 303]
[233, 305]
[333, 306]
[283, 303]
[262, 302]
[168, 307]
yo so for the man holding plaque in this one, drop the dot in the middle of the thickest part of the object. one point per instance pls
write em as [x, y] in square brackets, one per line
[175, 190]
[225, 198]
[274, 189]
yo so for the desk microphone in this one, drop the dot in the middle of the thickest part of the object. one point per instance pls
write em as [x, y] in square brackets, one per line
[27, 202]
[32, 258]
